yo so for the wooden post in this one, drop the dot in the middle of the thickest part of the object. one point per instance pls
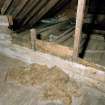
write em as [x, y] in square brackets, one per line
[78, 30]
[33, 38]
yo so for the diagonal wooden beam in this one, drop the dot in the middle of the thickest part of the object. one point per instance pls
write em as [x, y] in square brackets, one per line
[33, 13]
[42, 12]
[78, 30]
[20, 7]
[2, 3]
[6, 6]
[16, 7]
[27, 9]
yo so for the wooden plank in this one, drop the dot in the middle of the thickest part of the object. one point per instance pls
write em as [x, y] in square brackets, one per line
[95, 51]
[64, 36]
[42, 12]
[14, 4]
[35, 11]
[1, 3]
[47, 47]
[54, 49]
[79, 22]
[5, 6]
[20, 7]
[27, 8]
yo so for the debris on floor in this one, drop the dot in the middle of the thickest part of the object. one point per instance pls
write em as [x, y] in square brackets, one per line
[56, 84]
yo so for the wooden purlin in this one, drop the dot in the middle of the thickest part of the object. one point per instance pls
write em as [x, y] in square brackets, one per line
[78, 30]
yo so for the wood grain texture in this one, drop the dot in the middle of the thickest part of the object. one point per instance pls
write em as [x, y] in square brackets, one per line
[6, 6]
[78, 30]
[2, 3]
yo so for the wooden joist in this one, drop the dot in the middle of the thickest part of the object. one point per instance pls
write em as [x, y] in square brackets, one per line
[78, 30]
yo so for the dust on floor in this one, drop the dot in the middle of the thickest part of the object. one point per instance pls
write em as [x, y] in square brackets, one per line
[40, 83]
[57, 85]
[54, 83]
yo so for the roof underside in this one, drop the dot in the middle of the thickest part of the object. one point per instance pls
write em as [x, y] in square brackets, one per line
[28, 12]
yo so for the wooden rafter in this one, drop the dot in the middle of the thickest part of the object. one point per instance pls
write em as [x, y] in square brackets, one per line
[5, 6]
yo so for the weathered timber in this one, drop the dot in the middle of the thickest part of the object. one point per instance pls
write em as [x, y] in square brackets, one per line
[5, 6]
[95, 51]
[24, 39]
[33, 38]
[10, 20]
[54, 49]
[1, 3]
[34, 12]
[79, 22]
[13, 6]
[59, 24]
[26, 11]
[19, 8]
[43, 11]
[67, 34]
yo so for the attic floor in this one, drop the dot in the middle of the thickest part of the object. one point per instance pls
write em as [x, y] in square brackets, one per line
[20, 86]
[12, 93]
